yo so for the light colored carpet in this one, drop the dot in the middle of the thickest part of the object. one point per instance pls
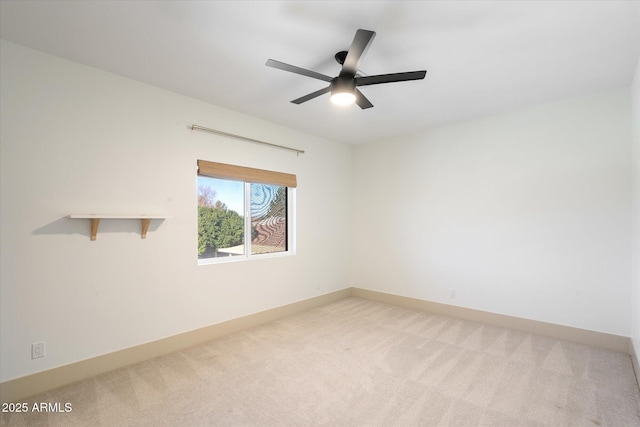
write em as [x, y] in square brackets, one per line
[360, 363]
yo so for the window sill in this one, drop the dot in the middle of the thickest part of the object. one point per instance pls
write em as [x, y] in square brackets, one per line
[229, 259]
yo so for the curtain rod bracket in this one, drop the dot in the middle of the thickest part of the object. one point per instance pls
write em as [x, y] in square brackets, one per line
[231, 135]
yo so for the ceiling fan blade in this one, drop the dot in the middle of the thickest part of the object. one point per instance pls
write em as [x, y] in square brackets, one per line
[293, 69]
[359, 46]
[312, 95]
[362, 100]
[390, 78]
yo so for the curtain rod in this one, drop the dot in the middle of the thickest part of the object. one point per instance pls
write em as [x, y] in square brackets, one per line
[219, 132]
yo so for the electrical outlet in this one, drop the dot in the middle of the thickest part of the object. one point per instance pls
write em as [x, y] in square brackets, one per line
[453, 293]
[37, 350]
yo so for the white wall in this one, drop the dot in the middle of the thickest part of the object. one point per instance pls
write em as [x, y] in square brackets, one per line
[525, 214]
[79, 140]
[635, 122]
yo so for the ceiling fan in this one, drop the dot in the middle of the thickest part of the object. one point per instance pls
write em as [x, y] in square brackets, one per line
[344, 88]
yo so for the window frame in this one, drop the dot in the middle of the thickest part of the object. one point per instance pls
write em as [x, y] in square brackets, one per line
[250, 176]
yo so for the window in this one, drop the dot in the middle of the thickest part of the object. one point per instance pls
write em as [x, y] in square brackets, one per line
[243, 213]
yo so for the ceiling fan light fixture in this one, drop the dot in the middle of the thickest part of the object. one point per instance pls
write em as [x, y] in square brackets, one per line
[343, 91]
[343, 99]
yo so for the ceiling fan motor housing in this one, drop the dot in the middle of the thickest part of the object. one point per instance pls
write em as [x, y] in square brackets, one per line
[342, 84]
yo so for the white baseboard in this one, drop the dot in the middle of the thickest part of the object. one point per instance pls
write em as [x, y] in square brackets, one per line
[29, 385]
[635, 359]
[582, 336]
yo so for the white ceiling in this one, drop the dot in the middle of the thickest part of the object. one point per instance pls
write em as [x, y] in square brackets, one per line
[482, 57]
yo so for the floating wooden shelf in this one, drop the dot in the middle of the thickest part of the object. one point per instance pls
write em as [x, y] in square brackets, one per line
[145, 220]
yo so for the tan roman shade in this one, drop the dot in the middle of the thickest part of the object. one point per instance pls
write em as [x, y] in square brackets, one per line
[241, 173]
